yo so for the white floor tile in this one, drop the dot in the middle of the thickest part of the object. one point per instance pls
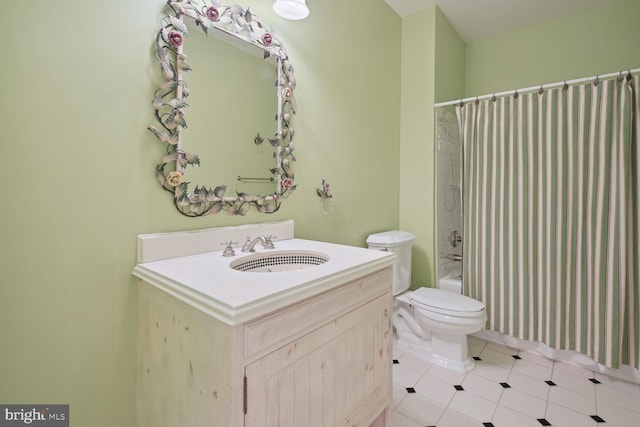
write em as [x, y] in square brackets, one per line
[399, 393]
[419, 408]
[617, 415]
[452, 418]
[448, 376]
[414, 362]
[482, 387]
[627, 386]
[572, 369]
[497, 358]
[532, 369]
[564, 417]
[475, 350]
[536, 358]
[435, 389]
[501, 348]
[526, 384]
[577, 383]
[405, 377]
[491, 372]
[473, 406]
[399, 420]
[507, 417]
[572, 400]
[523, 403]
[630, 401]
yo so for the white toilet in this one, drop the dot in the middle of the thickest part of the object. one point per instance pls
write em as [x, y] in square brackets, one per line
[432, 323]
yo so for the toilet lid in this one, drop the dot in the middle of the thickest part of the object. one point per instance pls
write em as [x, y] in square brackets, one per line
[446, 302]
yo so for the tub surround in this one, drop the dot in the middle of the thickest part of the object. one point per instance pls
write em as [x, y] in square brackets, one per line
[205, 280]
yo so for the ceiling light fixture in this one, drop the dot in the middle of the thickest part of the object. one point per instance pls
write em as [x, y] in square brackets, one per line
[291, 9]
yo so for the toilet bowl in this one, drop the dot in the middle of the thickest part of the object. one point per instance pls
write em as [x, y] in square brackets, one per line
[431, 323]
[450, 318]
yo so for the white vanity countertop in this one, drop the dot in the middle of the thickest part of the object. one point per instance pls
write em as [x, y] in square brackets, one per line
[206, 281]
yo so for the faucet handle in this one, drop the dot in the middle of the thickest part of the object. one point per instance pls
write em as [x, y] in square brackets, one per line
[228, 251]
[268, 241]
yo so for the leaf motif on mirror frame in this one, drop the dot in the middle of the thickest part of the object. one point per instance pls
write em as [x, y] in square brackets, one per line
[170, 107]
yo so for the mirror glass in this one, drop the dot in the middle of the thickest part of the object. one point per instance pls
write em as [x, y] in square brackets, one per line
[232, 100]
[225, 110]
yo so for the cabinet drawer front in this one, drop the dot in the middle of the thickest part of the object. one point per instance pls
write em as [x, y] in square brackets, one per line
[274, 330]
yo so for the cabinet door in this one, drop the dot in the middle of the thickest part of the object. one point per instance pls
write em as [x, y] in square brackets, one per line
[338, 374]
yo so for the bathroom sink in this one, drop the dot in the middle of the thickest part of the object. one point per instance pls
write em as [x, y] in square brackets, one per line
[270, 262]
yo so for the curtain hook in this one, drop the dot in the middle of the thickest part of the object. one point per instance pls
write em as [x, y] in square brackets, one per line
[629, 75]
[565, 86]
[477, 101]
[620, 77]
[493, 98]
[596, 82]
[541, 90]
[461, 103]
[515, 94]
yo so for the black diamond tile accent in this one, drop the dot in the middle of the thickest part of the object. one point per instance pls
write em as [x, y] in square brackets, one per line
[505, 385]
[544, 422]
[598, 419]
[595, 381]
[395, 361]
[488, 425]
[551, 383]
[411, 390]
[458, 387]
[476, 358]
[515, 356]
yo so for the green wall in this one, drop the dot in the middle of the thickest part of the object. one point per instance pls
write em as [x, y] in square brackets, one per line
[79, 183]
[432, 71]
[599, 40]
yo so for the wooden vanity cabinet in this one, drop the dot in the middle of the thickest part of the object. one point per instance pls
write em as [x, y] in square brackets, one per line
[324, 361]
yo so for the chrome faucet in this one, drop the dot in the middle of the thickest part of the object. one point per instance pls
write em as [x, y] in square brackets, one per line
[265, 241]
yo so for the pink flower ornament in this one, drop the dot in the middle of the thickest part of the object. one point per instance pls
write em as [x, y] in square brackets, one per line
[175, 38]
[287, 183]
[212, 13]
[267, 39]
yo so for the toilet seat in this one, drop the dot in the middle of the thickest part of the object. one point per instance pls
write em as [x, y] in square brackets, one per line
[447, 303]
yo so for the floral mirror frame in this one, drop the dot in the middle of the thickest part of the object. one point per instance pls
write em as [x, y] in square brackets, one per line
[170, 107]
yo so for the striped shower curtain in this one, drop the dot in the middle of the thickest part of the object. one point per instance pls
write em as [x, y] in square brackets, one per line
[551, 216]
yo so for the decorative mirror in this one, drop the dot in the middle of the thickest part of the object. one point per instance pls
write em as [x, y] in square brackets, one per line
[170, 105]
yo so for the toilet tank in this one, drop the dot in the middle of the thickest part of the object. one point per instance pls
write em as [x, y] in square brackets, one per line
[398, 242]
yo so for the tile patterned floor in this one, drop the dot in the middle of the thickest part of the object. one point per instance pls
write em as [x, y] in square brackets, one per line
[509, 388]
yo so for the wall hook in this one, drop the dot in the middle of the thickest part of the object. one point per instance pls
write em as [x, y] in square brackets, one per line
[323, 192]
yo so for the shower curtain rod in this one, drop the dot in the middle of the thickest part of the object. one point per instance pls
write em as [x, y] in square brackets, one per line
[535, 88]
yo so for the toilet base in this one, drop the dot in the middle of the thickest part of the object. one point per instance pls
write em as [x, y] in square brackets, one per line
[451, 351]
[424, 350]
